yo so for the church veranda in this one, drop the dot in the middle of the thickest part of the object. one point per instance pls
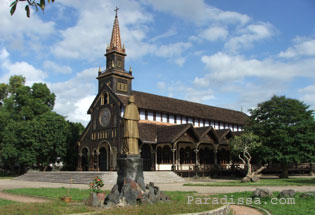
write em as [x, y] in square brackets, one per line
[174, 135]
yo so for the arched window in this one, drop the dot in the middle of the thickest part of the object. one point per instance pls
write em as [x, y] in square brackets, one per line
[104, 98]
[182, 155]
[167, 155]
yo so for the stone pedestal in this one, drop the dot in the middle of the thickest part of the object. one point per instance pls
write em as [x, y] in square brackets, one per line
[130, 188]
[130, 167]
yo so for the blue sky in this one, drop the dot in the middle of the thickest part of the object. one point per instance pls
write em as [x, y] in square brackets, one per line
[232, 54]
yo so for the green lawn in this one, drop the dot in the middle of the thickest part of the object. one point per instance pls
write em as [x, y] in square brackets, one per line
[52, 193]
[302, 206]
[262, 182]
[6, 202]
[177, 205]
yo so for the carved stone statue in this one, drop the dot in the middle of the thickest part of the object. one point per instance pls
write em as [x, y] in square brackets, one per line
[131, 133]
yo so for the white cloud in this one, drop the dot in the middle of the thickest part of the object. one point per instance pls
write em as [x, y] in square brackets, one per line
[74, 97]
[88, 38]
[214, 33]
[51, 66]
[302, 47]
[308, 95]
[17, 29]
[245, 37]
[223, 67]
[171, 50]
[197, 11]
[169, 33]
[180, 61]
[23, 68]
[161, 85]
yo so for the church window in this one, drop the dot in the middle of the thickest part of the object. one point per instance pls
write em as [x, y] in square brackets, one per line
[142, 114]
[150, 116]
[154, 116]
[196, 122]
[146, 114]
[171, 118]
[178, 120]
[190, 120]
[119, 63]
[158, 117]
[104, 98]
[184, 120]
[207, 123]
[164, 117]
[166, 155]
[122, 87]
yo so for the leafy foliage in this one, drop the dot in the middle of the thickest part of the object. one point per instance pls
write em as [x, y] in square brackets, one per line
[242, 146]
[286, 128]
[33, 3]
[71, 157]
[31, 134]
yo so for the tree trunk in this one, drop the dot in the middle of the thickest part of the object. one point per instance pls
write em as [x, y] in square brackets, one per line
[249, 169]
[285, 172]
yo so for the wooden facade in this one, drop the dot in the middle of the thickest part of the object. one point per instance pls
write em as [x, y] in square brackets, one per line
[174, 134]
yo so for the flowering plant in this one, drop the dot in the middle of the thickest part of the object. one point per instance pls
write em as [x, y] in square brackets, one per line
[96, 185]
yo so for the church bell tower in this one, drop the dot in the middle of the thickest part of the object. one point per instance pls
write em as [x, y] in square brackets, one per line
[115, 75]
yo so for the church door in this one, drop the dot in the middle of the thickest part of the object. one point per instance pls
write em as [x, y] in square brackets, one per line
[103, 159]
[85, 159]
[146, 156]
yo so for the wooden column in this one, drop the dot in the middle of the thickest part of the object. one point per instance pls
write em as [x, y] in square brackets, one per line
[215, 154]
[173, 159]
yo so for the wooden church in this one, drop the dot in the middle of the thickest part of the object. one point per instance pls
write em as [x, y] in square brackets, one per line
[175, 134]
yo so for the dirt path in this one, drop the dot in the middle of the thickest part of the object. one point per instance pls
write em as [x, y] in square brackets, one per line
[243, 210]
[24, 199]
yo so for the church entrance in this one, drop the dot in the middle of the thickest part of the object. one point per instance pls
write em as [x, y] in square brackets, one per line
[103, 159]
[85, 159]
[146, 156]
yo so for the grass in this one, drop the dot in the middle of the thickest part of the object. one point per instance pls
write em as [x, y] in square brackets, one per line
[262, 182]
[51, 193]
[302, 205]
[177, 205]
[52, 208]
[6, 202]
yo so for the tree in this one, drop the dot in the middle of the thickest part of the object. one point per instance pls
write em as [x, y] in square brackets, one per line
[286, 128]
[31, 134]
[51, 132]
[33, 3]
[243, 146]
[71, 157]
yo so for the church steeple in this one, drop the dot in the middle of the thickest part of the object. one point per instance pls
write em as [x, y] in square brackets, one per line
[115, 75]
[115, 42]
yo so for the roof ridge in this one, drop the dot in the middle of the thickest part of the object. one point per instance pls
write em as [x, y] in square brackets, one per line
[189, 101]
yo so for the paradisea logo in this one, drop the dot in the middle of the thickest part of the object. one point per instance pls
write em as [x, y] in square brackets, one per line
[239, 201]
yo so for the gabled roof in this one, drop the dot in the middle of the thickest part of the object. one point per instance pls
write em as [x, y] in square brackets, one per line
[97, 97]
[202, 131]
[224, 133]
[170, 134]
[185, 108]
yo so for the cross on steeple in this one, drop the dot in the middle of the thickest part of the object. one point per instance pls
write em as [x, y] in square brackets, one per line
[116, 10]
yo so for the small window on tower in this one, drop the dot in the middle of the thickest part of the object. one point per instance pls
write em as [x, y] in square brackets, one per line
[119, 63]
[104, 98]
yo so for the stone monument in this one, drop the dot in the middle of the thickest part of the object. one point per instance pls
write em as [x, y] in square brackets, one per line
[130, 188]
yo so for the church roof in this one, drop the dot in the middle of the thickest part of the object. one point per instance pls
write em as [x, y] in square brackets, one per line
[155, 133]
[181, 107]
